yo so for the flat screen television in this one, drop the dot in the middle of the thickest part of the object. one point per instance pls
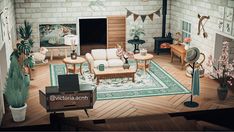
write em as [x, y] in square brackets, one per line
[68, 82]
[93, 31]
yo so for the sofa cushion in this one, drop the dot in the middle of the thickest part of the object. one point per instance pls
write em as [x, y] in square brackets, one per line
[112, 54]
[99, 54]
[115, 62]
[96, 63]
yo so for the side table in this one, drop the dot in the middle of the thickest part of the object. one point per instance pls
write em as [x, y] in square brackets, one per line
[178, 50]
[68, 61]
[144, 65]
[136, 44]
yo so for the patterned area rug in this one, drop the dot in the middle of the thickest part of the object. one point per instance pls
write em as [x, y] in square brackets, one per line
[155, 82]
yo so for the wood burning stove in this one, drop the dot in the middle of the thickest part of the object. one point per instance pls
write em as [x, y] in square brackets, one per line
[158, 41]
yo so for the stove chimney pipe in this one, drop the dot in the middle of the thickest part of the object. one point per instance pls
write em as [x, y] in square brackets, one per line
[164, 14]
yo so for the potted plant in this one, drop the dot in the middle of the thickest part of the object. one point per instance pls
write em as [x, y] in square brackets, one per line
[16, 90]
[223, 71]
[177, 38]
[136, 31]
[187, 41]
[18, 79]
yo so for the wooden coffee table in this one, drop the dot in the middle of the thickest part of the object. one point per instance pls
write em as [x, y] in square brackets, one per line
[68, 61]
[117, 72]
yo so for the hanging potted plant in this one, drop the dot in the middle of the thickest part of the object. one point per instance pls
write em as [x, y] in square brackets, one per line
[223, 71]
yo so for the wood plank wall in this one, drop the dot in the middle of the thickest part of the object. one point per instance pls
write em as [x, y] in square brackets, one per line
[116, 31]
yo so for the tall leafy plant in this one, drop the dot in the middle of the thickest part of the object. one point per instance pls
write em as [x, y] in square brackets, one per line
[16, 87]
[25, 32]
[24, 46]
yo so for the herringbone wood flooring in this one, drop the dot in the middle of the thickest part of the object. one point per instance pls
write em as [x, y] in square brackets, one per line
[208, 98]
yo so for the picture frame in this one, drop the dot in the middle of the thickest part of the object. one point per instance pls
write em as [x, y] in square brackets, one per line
[221, 12]
[220, 24]
[228, 27]
[52, 35]
[228, 13]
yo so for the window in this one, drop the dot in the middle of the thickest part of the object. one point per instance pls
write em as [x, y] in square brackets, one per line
[186, 29]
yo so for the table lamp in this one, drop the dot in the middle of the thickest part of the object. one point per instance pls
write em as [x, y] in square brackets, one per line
[71, 40]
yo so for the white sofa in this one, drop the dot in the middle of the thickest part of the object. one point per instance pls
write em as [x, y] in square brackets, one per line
[108, 57]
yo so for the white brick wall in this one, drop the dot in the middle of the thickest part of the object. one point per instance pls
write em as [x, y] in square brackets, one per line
[67, 11]
[188, 10]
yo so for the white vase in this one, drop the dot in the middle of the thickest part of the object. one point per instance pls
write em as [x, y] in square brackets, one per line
[18, 114]
[186, 46]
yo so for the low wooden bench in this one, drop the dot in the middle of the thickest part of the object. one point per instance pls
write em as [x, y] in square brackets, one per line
[65, 48]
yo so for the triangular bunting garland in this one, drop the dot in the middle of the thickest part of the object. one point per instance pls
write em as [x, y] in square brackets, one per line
[158, 12]
[129, 13]
[143, 17]
[135, 16]
[151, 16]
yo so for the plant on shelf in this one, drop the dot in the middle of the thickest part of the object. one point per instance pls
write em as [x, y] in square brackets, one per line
[223, 70]
[16, 90]
[136, 31]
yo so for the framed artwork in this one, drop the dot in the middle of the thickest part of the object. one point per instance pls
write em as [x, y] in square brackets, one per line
[53, 34]
[221, 12]
[228, 27]
[220, 24]
[228, 14]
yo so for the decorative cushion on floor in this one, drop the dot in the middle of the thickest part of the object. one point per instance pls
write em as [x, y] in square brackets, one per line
[115, 62]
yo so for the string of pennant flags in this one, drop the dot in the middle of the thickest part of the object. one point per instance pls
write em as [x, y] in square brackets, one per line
[143, 17]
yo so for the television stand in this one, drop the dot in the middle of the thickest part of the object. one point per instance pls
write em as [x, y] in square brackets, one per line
[54, 100]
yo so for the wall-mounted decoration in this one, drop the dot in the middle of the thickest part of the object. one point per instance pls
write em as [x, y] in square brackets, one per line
[53, 34]
[228, 14]
[221, 12]
[143, 16]
[201, 25]
[220, 24]
[228, 27]
[97, 5]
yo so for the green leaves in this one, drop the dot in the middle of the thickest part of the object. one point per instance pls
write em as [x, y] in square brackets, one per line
[25, 31]
[16, 86]
[29, 62]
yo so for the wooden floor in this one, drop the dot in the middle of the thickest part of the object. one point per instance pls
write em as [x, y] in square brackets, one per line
[107, 109]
